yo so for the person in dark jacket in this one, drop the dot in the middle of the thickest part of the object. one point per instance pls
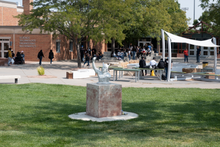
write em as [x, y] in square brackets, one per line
[167, 65]
[142, 64]
[40, 56]
[51, 56]
[82, 51]
[87, 59]
[161, 64]
[134, 50]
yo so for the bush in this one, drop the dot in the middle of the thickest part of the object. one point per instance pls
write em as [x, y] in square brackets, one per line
[40, 70]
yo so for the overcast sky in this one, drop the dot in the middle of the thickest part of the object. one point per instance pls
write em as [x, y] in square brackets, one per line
[188, 4]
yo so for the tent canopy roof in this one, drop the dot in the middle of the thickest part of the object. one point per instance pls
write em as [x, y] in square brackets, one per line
[178, 39]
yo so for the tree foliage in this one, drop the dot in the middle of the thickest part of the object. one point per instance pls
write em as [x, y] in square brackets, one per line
[150, 16]
[105, 19]
[97, 19]
[211, 15]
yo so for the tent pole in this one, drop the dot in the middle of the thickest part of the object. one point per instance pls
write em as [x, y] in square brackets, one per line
[163, 44]
[169, 60]
[215, 54]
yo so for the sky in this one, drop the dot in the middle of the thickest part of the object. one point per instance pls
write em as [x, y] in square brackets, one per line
[188, 5]
[190, 12]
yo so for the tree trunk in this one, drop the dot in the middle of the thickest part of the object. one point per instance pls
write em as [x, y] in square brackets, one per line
[78, 55]
[158, 46]
[113, 45]
[77, 45]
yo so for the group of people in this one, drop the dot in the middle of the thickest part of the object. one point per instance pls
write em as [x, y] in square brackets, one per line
[153, 64]
[133, 52]
[20, 57]
[12, 59]
[40, 55]
[198, 53]
[88, 54]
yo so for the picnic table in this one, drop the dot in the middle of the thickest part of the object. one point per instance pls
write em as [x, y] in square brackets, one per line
[120, 70]
[161, 70]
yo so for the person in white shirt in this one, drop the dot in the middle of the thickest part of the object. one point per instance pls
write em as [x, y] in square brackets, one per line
[153, 63]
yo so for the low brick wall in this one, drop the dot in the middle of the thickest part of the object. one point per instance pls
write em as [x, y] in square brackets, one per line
[3, 61]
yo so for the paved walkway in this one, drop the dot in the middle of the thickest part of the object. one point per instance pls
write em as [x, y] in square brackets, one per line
[28, 73]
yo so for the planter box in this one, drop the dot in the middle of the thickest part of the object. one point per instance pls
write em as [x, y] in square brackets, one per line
[69, 75]
[180, 55]
[210, 77]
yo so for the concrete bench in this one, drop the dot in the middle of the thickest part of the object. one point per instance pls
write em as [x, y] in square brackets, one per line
[16, 77]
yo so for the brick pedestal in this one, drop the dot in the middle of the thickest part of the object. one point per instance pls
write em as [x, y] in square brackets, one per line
[103, 100]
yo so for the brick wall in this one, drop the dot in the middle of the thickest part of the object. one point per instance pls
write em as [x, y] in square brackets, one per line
[27, 6]
[7, 11]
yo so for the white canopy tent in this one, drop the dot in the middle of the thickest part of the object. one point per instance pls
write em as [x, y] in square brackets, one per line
[177, 39]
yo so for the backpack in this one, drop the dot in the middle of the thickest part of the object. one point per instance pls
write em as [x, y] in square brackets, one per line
[163, 77]
[38, 55]
[161, 64]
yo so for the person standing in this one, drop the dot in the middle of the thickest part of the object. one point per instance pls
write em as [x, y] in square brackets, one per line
[142, 64]
[149, 48]
[40, 56]
[87, 59]
[198, 52]
[13, 57]
[82, 51]
[51, 56]
[129, 53]
[9, 56]
[134, 50]
[186, 55]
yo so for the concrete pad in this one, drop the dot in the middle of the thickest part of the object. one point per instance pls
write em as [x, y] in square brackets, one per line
[84, 117]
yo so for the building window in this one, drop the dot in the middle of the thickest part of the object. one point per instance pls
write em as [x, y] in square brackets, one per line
[205, 53]
[71, 46]
[212, 53]
[205, 48]
[191, 52]
[191, 47]
[58, 46]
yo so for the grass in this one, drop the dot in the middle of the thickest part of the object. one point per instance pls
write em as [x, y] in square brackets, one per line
[37, 115]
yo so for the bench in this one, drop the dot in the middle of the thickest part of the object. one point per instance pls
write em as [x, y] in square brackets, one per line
[205, 74]
[16, 77]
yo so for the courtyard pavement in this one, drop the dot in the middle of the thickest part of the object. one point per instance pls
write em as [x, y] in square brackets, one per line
[56, 74]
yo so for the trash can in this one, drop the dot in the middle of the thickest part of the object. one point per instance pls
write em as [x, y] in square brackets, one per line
[204, 64]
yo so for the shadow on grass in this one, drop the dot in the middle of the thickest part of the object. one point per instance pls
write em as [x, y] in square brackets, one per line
[42, 112]
[156, 119]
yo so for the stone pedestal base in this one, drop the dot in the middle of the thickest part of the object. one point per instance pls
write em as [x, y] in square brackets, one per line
[103, 100]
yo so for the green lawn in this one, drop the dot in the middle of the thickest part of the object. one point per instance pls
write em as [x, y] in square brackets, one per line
[37, 115]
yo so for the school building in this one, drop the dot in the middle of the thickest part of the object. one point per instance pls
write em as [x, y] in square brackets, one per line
[12, 36]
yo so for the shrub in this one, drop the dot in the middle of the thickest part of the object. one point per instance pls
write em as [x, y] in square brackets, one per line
[40, 70]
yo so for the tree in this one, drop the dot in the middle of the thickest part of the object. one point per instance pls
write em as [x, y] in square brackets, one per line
[99, 20]
[149, 17]
[212, 15]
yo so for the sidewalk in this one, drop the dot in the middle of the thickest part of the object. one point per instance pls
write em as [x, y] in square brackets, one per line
[57, 71]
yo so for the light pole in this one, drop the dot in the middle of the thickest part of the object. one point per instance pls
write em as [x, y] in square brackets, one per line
[194, 11]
